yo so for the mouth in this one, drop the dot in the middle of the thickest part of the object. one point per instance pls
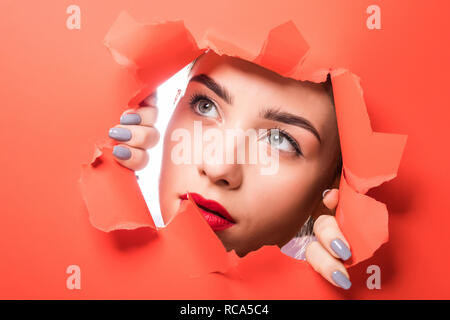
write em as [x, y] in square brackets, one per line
[214, 213]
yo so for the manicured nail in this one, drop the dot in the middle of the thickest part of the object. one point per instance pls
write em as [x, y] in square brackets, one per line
[122, 152]
[341, 280]
[120, 134]
[341, 249]
[324, 193]
[130, 118]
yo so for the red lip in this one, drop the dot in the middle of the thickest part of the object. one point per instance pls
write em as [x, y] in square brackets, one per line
[215, 214]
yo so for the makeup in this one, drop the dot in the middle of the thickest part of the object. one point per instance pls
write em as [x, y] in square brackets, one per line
[214, 213]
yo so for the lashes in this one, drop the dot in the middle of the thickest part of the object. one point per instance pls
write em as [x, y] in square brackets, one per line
[196, 97]
[285, 134]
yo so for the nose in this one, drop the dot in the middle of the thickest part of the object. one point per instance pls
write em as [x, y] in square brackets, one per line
[228, 176]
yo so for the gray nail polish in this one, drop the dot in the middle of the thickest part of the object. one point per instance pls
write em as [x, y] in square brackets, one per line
[120, 134]
[341, 280]
[130, 118]
[341, 249]
[122, 152]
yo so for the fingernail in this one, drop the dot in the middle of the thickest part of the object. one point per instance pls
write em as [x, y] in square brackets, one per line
[324, 193]
[122, 152]
[130, 118]
[341, 249]
[341, 280]
[120, 134]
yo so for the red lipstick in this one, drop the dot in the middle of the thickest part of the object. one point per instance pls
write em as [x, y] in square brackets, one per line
[215, 214]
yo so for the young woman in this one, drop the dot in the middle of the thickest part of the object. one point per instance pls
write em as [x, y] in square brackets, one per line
[245, 208]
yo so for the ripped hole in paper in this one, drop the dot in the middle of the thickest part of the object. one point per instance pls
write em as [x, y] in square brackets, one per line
[156, 51]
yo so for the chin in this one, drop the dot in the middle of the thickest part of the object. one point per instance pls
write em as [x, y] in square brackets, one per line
[242, 251]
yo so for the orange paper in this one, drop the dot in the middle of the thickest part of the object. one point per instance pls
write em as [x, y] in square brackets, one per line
[61, 90]
[156, 51]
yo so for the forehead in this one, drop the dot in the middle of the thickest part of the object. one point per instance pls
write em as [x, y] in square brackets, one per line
[233, 72]
[211, 64]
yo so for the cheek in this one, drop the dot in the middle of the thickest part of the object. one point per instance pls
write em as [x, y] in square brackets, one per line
[173, 177]
[280, 199]
[167, 196]
[284, 202]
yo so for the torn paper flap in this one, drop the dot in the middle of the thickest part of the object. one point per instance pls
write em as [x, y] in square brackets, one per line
[369, 158]
[111, 193]
[189, 236]
[363, 222]
[154, 52]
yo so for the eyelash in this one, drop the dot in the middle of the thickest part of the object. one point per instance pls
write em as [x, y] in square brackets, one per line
[196, 97]
[298, 150]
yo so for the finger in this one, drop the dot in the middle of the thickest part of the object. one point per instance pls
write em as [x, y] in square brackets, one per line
[135, 135]
[331, 238]
[329, 267]
[331, 198]
[131, 158]
[150, 100]
[144, 116]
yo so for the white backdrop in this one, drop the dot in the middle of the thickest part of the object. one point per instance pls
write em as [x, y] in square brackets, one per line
[149, 176]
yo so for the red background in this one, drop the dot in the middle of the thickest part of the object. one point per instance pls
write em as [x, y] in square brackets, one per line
[61, 91]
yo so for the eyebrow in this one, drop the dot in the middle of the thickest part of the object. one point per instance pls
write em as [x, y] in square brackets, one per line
[270, 114]
[221, 91]
[292, 119]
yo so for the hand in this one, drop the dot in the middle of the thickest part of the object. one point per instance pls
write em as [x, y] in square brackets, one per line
[136, 134]
[326, 254]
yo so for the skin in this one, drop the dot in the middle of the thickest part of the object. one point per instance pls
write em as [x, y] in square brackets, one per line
[279, 212]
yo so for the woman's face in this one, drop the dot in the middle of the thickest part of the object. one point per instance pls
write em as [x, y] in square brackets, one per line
[228, 94]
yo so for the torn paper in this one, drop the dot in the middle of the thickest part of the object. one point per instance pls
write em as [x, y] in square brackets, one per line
[155, 52]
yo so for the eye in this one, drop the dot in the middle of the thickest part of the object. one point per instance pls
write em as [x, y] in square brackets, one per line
[203, 106]
[281, 140]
